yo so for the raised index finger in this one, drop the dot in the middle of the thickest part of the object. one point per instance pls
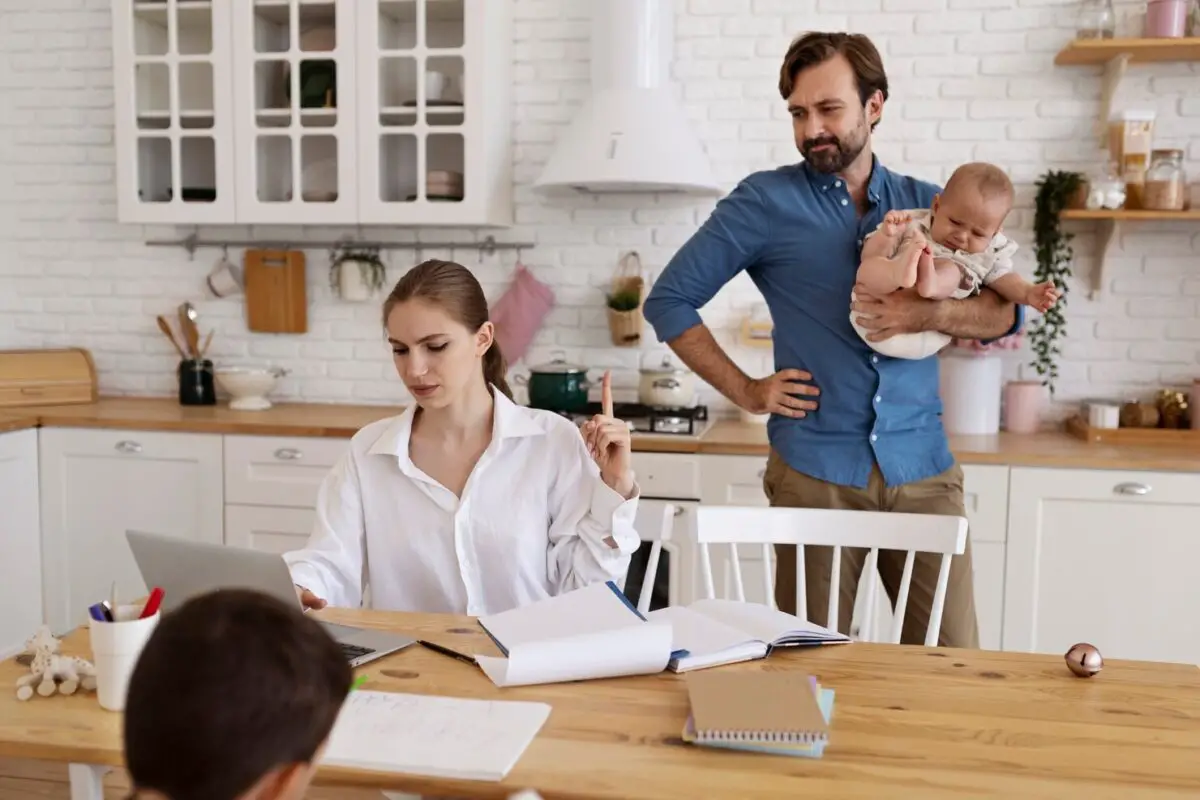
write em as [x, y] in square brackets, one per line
[606, 403]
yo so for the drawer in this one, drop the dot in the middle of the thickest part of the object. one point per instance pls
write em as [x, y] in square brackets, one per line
[670, 476]
[277, 470]
[733, 480]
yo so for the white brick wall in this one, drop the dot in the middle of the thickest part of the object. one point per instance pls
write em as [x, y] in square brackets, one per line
[970, 78]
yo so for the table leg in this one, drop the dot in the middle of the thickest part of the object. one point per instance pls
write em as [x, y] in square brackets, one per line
[87, 781]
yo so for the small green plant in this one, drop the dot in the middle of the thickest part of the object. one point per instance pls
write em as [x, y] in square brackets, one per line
[370, 266]
[1054, 257]
[625, 299]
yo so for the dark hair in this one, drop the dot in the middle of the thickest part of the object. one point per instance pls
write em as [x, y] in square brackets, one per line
[230, 686]
[452, 288]
[818, 47]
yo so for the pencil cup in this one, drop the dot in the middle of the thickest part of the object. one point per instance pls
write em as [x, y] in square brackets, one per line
[115, 650]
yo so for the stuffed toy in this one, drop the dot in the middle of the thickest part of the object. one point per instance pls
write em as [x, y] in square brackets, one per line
[50, 672]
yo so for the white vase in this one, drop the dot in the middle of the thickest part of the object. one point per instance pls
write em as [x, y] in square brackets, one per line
[351, 286]
[970, 387]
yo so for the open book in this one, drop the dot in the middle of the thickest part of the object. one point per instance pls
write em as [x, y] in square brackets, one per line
[709, 633]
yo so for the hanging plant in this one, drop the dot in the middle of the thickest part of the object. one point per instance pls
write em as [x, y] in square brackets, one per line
[356, 273]
[1056, 190]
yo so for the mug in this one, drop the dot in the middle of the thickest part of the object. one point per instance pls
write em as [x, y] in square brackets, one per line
[224, 279]
[435, 85]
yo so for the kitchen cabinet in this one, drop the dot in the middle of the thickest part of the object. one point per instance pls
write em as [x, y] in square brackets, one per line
[20, 541]
[1103, 556]
[97, 484]
[376, 112]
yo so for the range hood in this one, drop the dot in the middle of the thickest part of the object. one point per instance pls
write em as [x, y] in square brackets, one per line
[632, 134]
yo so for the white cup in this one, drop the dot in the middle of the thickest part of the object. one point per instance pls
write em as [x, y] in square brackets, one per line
[224, 279]
[115, 650]
[435, 85]
[1104, 415]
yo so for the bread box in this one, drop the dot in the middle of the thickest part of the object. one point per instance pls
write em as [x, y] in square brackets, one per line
[46, 377]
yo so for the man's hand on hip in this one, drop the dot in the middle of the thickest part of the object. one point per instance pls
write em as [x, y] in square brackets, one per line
[782, 394]
[885, 316]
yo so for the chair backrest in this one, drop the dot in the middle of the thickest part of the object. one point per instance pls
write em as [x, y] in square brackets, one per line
[876, 530]
[663, 534]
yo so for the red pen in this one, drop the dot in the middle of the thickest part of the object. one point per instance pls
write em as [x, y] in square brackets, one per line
[152, 604]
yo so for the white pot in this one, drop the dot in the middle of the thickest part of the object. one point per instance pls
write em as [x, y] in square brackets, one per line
[667, 386]
[351, 285]
[970, 387]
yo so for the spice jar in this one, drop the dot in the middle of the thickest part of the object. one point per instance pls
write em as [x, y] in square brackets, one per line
[1130, 137]
[1096, 20]
[1165, 187]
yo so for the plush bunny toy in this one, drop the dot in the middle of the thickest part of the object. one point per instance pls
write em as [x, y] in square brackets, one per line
[50, 671]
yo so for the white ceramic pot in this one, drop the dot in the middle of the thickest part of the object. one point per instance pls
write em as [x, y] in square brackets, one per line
[351, 286]
[970, 388]
[667, 386]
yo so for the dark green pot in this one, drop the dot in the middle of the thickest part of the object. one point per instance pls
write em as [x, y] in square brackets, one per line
[557, 386]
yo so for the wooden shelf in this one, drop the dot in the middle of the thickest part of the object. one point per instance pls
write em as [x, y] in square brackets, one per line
[1110, 220]
[1140, 51]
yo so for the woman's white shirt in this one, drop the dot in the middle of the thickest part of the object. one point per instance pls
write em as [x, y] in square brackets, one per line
[534, 520]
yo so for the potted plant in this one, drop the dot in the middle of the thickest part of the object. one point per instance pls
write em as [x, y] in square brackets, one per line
[1057, 190]
[624, 302]
[356, 273]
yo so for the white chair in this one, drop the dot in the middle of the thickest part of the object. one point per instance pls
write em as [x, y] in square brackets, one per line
[876, 530]
[663, 534]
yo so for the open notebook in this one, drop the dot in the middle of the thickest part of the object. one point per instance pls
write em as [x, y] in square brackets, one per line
[709, 633]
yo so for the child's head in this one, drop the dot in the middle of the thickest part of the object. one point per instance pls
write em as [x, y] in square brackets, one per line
[972, 207]
[232, 698]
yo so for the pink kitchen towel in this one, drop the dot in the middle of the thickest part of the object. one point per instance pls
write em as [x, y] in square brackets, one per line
[519, 313]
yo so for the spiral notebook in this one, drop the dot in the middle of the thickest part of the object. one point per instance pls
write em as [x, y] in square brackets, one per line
[770, 711]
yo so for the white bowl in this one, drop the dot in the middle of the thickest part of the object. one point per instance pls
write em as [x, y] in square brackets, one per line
[249, 386]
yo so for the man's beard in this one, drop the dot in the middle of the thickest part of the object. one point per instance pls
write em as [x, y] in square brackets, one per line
[836, 158]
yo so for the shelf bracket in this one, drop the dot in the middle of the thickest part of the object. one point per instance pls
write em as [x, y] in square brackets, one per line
[1114, 71]
[1108, 231]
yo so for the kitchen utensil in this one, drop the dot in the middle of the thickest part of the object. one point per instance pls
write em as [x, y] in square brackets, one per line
[51, 376]
[196, 383]
[276, 297]
[165, 327]
[667, 385]
[187, 327]
[207, 342]
[557, 385]
[249, 386]
[224, 279]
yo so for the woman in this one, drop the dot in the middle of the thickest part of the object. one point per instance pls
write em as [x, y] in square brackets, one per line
[466, 503]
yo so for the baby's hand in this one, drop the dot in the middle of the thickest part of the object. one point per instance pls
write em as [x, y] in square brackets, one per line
[1042, 296]
[894, 222]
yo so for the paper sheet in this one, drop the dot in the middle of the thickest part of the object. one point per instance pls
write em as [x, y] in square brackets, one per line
[643, 648]
[444, 737]
[596, 608]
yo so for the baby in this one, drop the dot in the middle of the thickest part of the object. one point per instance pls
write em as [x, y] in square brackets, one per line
[949, 251]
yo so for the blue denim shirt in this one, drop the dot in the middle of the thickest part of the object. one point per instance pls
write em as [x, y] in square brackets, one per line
[798, 234]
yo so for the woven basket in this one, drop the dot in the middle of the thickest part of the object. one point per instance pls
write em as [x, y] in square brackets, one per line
[625, 326]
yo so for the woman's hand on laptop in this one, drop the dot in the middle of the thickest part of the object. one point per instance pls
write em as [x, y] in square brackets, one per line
[308, 599]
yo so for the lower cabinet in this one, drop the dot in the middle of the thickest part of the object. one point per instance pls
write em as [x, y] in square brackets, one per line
[20, 541]
[97, 484]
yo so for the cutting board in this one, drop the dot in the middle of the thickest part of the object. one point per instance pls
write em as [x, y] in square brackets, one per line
[276, 299]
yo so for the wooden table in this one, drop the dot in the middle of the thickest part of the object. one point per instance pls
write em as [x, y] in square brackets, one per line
[908, 722]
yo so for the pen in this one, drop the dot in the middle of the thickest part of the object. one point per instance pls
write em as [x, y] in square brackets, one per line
[152, 604]
[446, 651]
[97, 613]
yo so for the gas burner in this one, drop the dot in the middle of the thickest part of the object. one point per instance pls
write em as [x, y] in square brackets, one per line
[652, 419]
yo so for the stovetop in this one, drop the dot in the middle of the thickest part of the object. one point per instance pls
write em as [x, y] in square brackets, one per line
[671, 421]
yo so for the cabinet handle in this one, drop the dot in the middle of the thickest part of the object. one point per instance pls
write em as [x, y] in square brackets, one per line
[126, 446]
[762, 473]
[679, 511]
[288, 454]
[1131, 488]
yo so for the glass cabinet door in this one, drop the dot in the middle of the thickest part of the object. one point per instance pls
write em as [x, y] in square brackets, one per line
[174, 111]
[414, 164]
[295, 92]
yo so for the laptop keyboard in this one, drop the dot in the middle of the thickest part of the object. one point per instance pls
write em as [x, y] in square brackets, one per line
[353, 651]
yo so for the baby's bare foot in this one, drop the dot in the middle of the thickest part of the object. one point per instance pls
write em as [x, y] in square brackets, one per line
[906, 262]
[927, 282]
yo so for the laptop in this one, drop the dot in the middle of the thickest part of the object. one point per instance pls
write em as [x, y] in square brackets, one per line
[185, 569]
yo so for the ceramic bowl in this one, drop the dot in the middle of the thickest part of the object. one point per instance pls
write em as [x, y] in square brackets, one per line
[248, 387]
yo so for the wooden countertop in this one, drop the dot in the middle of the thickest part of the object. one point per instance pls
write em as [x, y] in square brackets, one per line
[908, 722]
[1055, 449]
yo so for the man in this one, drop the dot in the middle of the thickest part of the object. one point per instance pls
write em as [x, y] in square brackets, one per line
[874, 439]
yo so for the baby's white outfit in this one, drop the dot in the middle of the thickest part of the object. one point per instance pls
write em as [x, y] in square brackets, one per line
[978, 270]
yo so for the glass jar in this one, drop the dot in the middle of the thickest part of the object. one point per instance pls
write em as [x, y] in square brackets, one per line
[1096, 20]
[1165, 187]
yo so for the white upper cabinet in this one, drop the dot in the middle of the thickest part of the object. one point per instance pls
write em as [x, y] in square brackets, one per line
[174, 111]
[363, 112]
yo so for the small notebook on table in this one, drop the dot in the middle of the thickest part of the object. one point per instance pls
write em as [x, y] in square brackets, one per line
[709, 633]
[786, 713]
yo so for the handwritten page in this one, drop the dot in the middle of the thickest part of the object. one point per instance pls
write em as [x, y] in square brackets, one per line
[640, 649]
[443, 737]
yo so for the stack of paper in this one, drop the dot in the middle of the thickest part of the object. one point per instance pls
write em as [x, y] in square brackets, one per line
[594, 632]
[442, 737]
[784, 713]
[709, 633]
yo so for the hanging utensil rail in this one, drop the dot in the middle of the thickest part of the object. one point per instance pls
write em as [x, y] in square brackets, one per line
[192, 243]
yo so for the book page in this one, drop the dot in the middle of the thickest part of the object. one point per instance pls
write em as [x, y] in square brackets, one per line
[765, 623]
[699, 634]
[592, 609]
[641, 650]
[444, 737]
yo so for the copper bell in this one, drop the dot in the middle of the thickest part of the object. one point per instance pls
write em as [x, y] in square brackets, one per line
[1084, 660]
